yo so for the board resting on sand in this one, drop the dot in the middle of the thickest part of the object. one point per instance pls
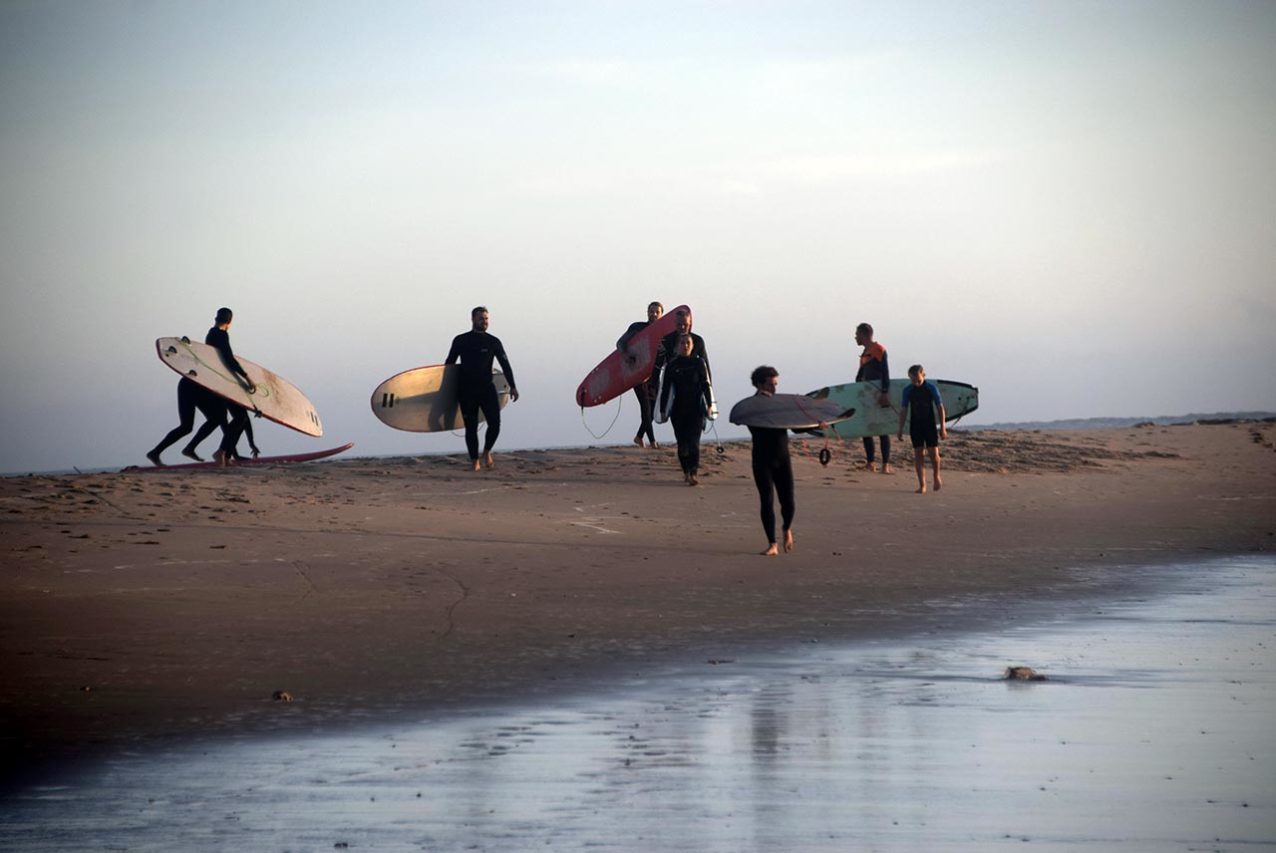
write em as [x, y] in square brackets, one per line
[870, 417]
[260, 460]
[785, 411]
[276, 398]
[424, 399]
[619, 372]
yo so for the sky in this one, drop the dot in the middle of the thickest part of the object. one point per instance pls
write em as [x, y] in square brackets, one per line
[1071, 205]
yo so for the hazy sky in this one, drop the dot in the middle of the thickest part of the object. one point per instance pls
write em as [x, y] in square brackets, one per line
[1069, 204]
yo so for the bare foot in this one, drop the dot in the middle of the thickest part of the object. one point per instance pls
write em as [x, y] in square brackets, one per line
[921, 490]
[693, 480]
[655, 444]
[788, 541]
[155, 459]
[191, 454]
[869, 466]
[939, 484]
[886, 469]
[771, 551]
[476, 465]
[221, 457]
[488, 460]
[638, 441]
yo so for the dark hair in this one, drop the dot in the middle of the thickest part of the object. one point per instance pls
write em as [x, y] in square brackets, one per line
[474, 311]
[681, 338]
[916, 369]
[655, 304]
[865, 328]
[224, 315]
[762, 374]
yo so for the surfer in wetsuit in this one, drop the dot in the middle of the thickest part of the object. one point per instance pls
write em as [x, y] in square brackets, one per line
[873, 368]
[218, 337]
[646, 390]
[686, 399]
[772, 467]
[668, 348]
[923, 401]
[475, 391]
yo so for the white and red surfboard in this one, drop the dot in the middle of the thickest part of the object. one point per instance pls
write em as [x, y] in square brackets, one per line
[260, 460]
[619, 372]
[275, 398]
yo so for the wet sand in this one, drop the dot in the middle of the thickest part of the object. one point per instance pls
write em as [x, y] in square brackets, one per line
[139, 607]
[1151, 732]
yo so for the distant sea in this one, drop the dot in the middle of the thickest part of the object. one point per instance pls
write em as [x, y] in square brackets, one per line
[1118, 423]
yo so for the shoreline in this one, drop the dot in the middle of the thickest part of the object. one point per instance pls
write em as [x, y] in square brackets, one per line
[369, 587]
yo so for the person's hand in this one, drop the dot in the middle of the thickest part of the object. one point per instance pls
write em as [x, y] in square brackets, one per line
[943, 433]
[513, 394]
[252, 387]
[884, 400]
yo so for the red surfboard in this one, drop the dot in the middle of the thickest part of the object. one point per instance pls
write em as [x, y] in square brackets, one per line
[260, 460]
[619, 372]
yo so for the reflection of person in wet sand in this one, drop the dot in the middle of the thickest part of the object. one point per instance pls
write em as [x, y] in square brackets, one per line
[922, 399]
[646, 390]
[772, 467]
[475, 389]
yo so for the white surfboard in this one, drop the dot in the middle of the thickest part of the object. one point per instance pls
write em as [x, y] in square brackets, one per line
[424, 399]
[870, 417]
[275, 398]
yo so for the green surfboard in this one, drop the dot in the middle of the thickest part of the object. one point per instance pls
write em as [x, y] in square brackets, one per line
[870, 417]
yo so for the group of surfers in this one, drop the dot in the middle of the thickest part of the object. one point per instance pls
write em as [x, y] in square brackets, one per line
[678, 390]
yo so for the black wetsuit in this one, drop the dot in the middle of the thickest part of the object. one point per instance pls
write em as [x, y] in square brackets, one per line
[645, 390]
[190, 397]
[773, 471]
[873, 368]
[476, 391]
[685, 396]
[667, 351]
[220, 340]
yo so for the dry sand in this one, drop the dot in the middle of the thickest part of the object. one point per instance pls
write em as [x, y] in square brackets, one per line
[143, 605]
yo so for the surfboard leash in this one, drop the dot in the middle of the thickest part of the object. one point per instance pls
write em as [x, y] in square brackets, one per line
[620, 403]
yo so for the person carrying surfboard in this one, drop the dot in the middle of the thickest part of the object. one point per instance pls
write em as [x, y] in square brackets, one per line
[772, 467]
[873, 368]
[922, 399]
[218, 337]
[476, 391]
[668, 348]
[646, 390]
[686, 399]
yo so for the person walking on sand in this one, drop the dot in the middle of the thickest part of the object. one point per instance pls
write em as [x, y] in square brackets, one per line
[475, 390]
[646, 390]
[668, 348]
[772, 467]
[191, 397]
[873, 368]
[923, 400]
[686, 399]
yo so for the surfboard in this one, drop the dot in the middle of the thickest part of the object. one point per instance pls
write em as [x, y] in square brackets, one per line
[276, 398]
[260, 460]
[619, 372]
[785, 411]
[424, 399]
[871, 418]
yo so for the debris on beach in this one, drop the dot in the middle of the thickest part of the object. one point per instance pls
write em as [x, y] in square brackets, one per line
[1023, 673]
[281, 696]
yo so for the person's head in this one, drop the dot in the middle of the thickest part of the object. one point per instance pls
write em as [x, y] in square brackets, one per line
[224, 316]
[685, 345]
[765, 378]
[479, 319]
[917, 374]
[654, 310]
[684, 321]
[863, 334]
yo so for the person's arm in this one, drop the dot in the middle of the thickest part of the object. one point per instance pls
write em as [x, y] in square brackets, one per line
[509, 371]
[454, 351]
[704, 356]
[222, 343]
[939, 407]
[886, 377]
[622, 344]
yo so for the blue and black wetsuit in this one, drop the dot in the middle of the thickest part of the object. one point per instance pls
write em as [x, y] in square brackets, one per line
[873, 368]
[476, 391]
[923, 404]
[773, 474]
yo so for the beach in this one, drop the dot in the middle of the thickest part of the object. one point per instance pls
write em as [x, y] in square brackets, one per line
[138, 607]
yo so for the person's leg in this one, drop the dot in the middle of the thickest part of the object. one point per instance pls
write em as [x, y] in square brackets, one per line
[934, 461]
[886, 454]
[490, 403]
[644, 413]
[868, 453]
[213, 408]
[696, 429]
[230, 435]
[919, 462]
[788, 505]
[763, 480]
[469, 407]
[186, 417]
[682, 431]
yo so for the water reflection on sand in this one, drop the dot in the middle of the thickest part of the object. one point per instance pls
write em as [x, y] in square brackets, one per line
[1155, 732]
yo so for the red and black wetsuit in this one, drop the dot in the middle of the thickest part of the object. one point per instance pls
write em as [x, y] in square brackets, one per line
[873, 368]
